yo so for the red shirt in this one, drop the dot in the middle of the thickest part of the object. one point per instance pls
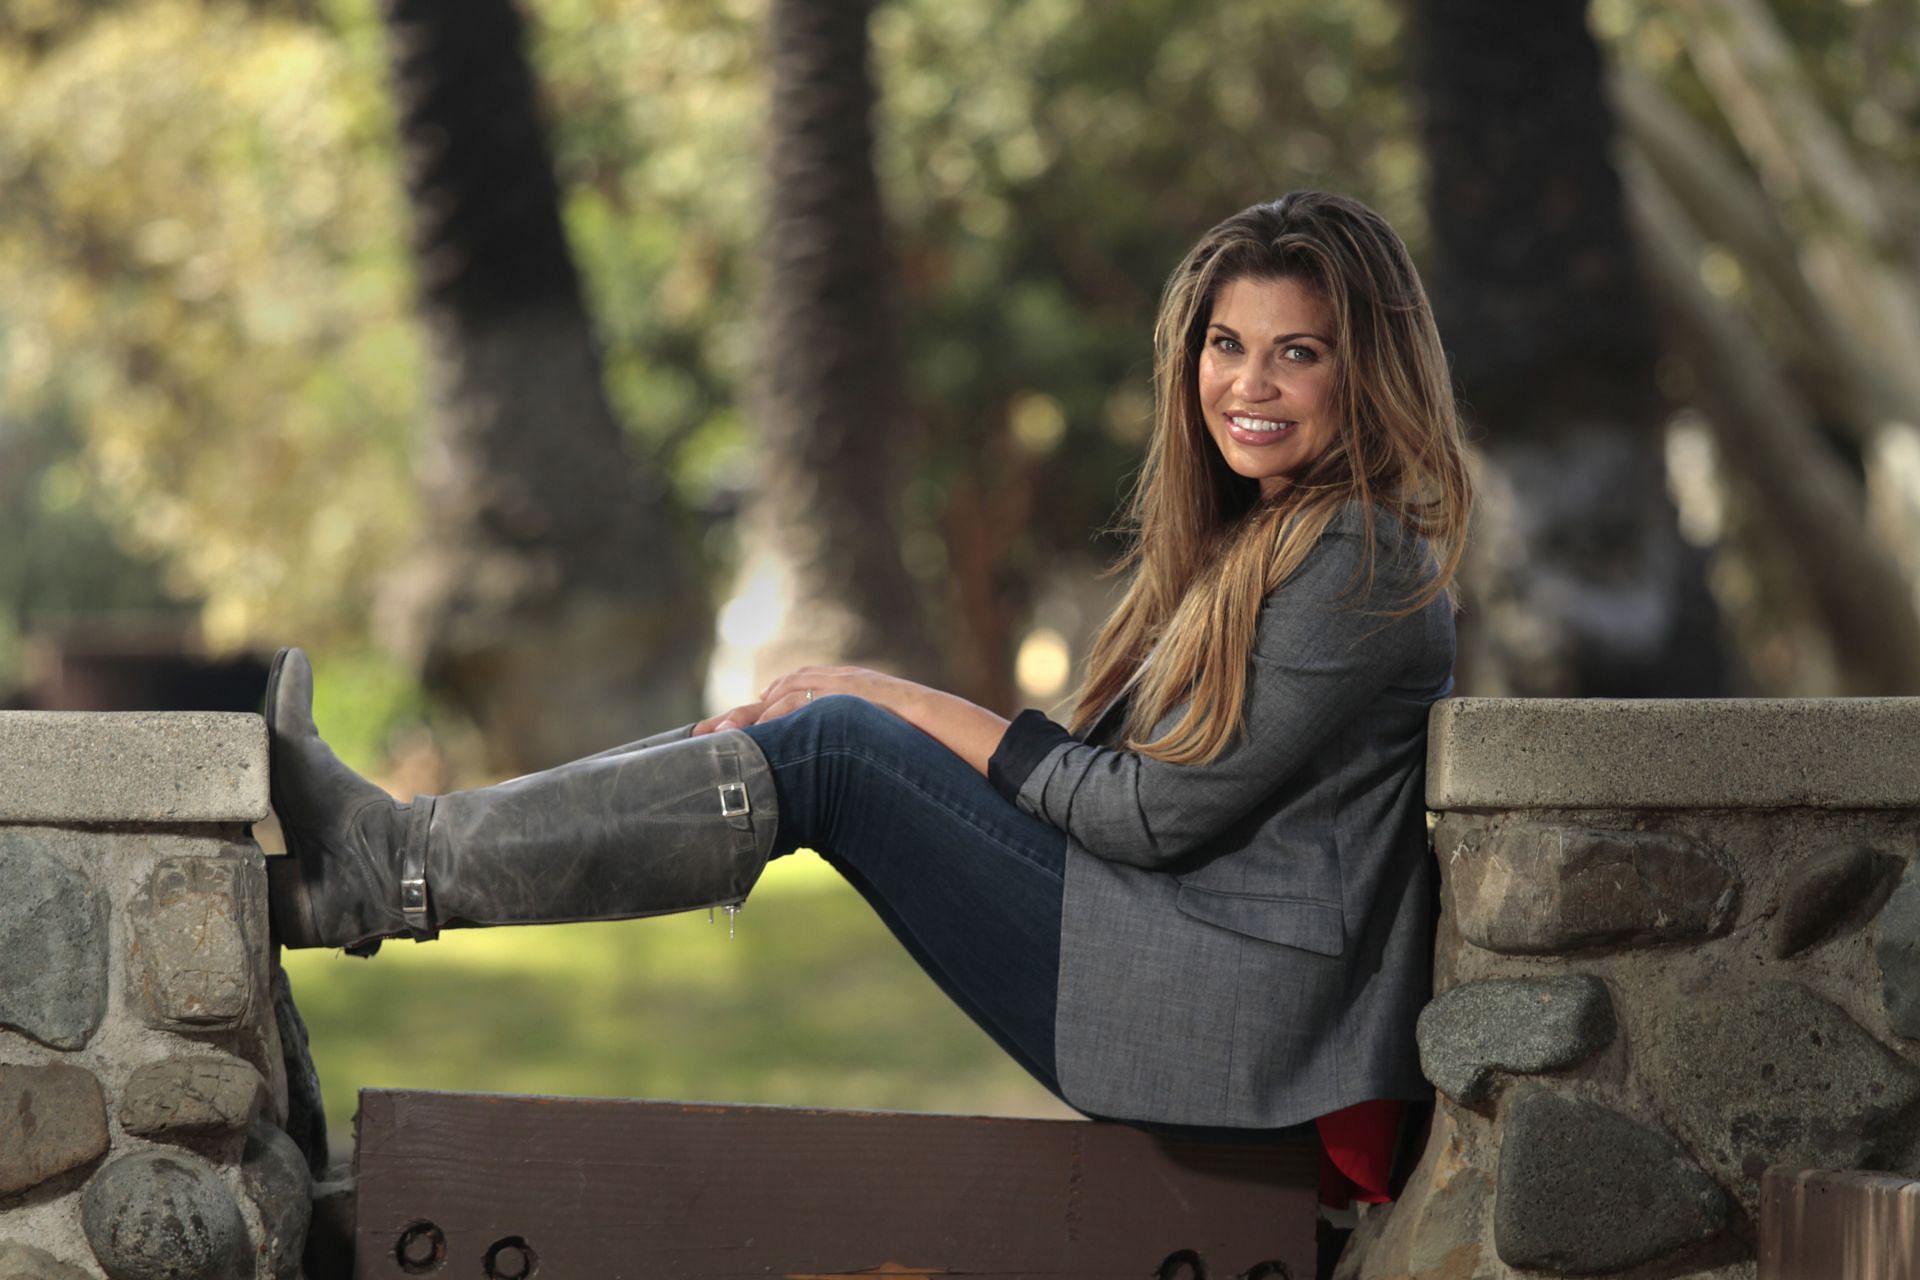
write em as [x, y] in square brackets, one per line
[1356, 1152]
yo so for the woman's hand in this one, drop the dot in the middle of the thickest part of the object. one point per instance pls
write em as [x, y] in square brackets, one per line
[797, 688]
[735, 718]
[968, 731]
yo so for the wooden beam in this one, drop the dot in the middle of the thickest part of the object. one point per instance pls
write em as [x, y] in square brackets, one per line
[517, 1187]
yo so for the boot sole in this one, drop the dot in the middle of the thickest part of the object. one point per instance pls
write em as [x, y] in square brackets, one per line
[289, 912]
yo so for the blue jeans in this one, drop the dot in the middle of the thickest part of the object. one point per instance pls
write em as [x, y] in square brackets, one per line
[970, 885]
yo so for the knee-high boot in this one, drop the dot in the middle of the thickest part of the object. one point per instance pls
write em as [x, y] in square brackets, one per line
[684, 824]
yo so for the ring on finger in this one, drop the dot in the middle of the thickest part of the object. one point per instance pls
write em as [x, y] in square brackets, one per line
[809, 695]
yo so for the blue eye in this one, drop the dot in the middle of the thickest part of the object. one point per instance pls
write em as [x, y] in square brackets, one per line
[1223, 343]
[1301, 355]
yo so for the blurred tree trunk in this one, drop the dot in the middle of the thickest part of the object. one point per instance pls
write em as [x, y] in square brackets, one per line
[1583, 585]
[555, 599]
[824, 567]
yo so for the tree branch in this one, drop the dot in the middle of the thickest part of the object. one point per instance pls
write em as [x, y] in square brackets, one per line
[1849, 386]
[1749, 66]
[1767, 432]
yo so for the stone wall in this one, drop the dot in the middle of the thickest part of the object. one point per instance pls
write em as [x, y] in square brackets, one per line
[1679, 942]
[143, 1097]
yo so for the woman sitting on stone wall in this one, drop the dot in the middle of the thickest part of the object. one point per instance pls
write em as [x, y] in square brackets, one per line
[1207, 903]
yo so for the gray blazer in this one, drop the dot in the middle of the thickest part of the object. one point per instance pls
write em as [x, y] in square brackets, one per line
[1248, 942]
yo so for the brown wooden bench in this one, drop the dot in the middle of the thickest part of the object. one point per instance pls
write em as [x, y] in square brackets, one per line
[518, 1187]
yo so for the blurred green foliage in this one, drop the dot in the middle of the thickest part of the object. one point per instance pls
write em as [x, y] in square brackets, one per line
[203, 253]
[57, 555]
[200, 263]
[365, 695]
[1859, 58]
[205, 276]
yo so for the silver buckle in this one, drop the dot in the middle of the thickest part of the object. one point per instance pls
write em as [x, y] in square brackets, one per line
[413, 897]
[733, 800]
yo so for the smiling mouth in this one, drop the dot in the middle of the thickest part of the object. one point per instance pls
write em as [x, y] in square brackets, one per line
[1258, 426]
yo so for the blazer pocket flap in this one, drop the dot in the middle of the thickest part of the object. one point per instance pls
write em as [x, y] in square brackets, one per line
[1293, 922]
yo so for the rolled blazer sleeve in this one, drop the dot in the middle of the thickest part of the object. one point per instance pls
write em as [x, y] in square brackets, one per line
[1322, 652]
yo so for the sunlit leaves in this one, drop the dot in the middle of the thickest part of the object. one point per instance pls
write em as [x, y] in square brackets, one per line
[202, 254]
[204, 246]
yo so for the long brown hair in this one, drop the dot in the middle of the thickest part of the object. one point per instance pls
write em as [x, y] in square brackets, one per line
[1207, 548]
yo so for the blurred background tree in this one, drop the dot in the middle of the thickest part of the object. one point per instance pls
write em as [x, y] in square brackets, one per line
[1584, 586]
[553, 595]
[821, 574]
[218, 401]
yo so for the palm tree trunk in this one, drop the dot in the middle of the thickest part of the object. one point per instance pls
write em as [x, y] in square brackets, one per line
[1584, 586]
[555, 598]
[832, 394]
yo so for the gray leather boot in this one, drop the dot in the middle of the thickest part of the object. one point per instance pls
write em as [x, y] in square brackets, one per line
[645, 831]
[684, 732]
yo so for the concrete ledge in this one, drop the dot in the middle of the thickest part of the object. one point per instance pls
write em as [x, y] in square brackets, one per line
[133, 766]
[1751, 753]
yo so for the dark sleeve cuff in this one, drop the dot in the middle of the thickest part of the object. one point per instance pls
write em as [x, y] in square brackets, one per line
[1028, 740]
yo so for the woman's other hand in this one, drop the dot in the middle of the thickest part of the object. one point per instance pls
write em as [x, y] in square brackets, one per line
[735, 718]
[799, 687]
[968, 731]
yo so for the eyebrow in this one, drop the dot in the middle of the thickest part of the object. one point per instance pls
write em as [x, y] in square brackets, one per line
[1285, 337]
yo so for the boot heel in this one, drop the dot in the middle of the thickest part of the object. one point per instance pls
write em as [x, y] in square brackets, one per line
[289, 912]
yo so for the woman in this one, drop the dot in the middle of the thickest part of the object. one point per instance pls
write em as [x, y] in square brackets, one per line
[1208, 903]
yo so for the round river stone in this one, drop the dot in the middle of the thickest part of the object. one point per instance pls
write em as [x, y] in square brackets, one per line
[164, 1214]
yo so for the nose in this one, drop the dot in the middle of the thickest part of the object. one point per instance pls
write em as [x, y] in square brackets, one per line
[1255, 381]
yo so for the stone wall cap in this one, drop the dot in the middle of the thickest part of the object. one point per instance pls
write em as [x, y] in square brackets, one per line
[175, 767]
[1679, 753]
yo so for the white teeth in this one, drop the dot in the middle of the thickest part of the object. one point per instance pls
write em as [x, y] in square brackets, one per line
[1258, 424]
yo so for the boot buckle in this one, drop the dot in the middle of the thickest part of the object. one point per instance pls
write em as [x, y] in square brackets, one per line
[413, 900]
[733, 800]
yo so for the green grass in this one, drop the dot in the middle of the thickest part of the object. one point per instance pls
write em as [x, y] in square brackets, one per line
[812, 1003]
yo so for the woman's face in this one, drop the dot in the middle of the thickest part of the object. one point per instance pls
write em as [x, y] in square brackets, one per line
[1266, 379]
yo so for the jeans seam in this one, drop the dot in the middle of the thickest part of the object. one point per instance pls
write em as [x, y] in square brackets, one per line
[885, 767]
